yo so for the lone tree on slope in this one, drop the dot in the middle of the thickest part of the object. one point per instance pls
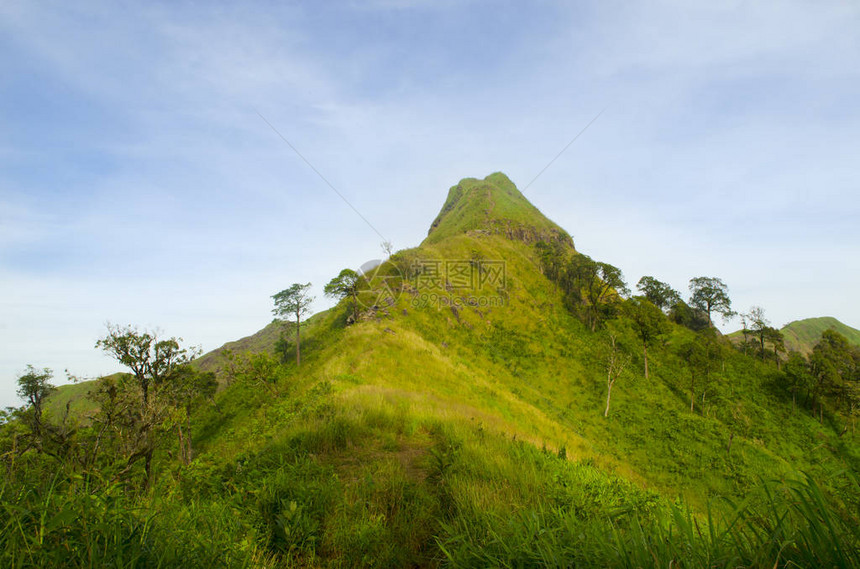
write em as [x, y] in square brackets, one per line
[34, 387]
[153, 362]
[710, 294]
[648, 321]
[343, 285]
[290, 305]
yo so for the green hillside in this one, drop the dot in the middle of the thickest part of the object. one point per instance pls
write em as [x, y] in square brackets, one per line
[460, 423]
[492, 206]
[802, 335]
[75, 396]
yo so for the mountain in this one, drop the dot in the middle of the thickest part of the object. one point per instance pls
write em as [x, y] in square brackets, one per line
[493, 205]
[462, 420]
[478, 349]
[802, 335]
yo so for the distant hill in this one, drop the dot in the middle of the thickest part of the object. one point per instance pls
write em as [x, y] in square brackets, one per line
[76, 396]
[802, 335]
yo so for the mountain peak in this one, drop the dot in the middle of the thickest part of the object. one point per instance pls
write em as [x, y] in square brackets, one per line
[493, 205]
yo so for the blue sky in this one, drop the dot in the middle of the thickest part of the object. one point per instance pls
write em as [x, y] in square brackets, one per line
[139, 185]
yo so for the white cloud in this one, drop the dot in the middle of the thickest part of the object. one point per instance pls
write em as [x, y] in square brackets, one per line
[727, 148]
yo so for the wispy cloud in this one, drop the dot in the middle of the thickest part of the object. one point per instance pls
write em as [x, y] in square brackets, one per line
[138, 184]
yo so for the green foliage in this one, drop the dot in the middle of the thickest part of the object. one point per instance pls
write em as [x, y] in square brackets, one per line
[658, 293]
[344, 285]
[835, 368]
[701, 354]
[64, 523]
[149, 358]
[34, 387]
[710, 294]
[595, 287]
[755, 324]
[784, 524]
[798, 377]
[293, 502]
[648, 322]
[689, 316]
[255, 369]
[552, 257]
[291, 304]
[591, 289]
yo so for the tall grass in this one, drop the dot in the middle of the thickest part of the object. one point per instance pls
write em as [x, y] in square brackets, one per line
[786, 524]
[381, 485]
[68, 524]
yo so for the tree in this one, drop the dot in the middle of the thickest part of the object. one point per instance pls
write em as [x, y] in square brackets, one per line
[149, 358]
[34, 387]
[601, 283]
[710, 294]
[745, 331]
[798, 375]
[551, 256]
[758, 325]
[852, 395]
[835, 365]
[648, 322]
[616, 361]
[777, 342]
[658, 293]
[257, 370]
[699, 354]
[689, 316]
[151, 361]
[186, 388]
[119, 433]
[827, 362]
[343, 285]
[290, 305]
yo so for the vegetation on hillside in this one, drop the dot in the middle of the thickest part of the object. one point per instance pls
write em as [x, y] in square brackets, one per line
[503, 401]
[802, 335]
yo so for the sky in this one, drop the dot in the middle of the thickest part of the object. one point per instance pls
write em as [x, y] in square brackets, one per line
[141, 182]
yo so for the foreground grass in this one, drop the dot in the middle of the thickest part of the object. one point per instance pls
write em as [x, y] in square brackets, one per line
[354, 482]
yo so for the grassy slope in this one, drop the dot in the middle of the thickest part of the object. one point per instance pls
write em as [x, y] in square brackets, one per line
[802, 335]
[75, 395]
[262, 341]
[530, 370]
[491, 205]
